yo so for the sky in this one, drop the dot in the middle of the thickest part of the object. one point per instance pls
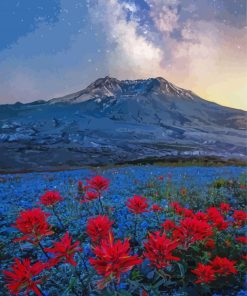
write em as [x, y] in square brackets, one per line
[49, 48]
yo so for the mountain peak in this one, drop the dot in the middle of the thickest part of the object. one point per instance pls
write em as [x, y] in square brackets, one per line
[112, 87]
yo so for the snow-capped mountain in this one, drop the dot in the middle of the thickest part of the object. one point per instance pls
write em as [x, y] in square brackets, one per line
[113, 121]
[112, 87]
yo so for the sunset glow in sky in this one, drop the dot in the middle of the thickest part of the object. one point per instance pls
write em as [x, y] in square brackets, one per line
[49, 48]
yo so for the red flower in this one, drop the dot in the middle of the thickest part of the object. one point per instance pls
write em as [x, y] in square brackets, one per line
[210, 243]
[192, 230]
[204, 273]
[98, 183]
[156, 208]
[81, 188]
[244, 257]
[242, 239]
[220, 223]
[50, 198]
[183, 191]
[187, 213]
[64, 250]
[225, 207]
[240, 217]
[159, 248]
[161, 178]
[177, 207]
[144, 293]
[216, 218]
[23, 277]
[113, 259]
[98, 228]
[137, 204]
[169, 225]
[89, 196]
[33, 224]
[223, 266]
[201, 216]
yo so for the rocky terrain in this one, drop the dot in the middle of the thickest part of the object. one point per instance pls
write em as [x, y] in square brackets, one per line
[114, 121]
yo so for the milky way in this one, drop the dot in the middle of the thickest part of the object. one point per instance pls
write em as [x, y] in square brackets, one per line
[50, 48]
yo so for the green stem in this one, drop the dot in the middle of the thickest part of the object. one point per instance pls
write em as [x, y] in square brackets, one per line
[59, 287]
[43, 250]
[83, 261]
[58, 218]
[77, 273]
[135, 228]
[101, 206]
[158, 218]
[40, 291]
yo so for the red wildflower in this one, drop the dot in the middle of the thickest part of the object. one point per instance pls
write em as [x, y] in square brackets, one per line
[81, 188]
[242, 239]
[156, 208]
[225, 207]
[201, 216]
[161, 178]
[89, 196]
[159, 248]
[210, 243]
[191, 230]
[144, 293]
[223, 266]
[113, 259]
[33, 224]
[168, 225]
[50, 198]
[187, 213]
[98, 183]
[23, 277]
[240, 217]
[177, 207]
[64, 250]
[220, 223]
[244, 257]
[216, 218]
[137, 204]
[98, 228]
[204, 273]
[183, 191]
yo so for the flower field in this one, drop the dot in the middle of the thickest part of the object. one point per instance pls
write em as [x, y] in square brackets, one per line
[137, 230]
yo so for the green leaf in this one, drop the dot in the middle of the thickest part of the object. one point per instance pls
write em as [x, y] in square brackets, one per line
[182, 269]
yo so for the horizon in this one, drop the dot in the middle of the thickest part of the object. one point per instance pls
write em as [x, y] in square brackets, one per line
[107, 76]
[52, 48]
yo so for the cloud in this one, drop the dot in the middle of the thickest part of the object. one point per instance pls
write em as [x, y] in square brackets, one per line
[199, 54]
[187, 44]
[131, 54]
[164, 14]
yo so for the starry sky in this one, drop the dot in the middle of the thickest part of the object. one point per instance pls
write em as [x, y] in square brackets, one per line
[49, 48]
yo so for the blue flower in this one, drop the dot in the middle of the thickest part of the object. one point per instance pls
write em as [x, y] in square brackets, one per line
[242, 293]
[122, 286]
[144, 224]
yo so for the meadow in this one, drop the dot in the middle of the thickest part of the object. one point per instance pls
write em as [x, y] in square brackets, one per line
[133, 230]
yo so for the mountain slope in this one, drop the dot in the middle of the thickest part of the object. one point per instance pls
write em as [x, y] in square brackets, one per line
[115, 121]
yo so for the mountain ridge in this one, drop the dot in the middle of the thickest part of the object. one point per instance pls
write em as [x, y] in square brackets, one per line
[113, 86]
[113, 121]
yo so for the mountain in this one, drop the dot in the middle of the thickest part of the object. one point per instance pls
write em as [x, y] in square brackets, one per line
[113, 121]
